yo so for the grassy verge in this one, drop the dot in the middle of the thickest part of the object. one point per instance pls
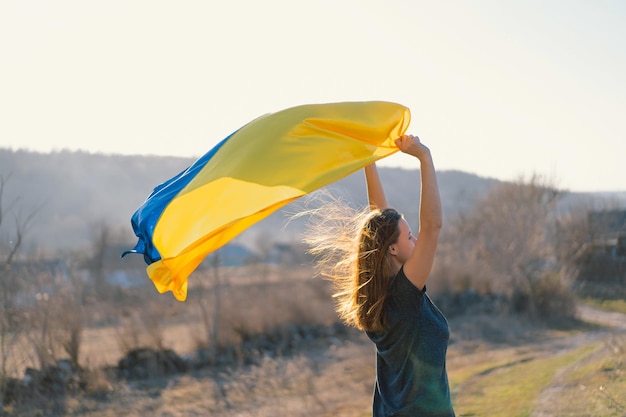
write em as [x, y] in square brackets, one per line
[461, 375]
[509, 389]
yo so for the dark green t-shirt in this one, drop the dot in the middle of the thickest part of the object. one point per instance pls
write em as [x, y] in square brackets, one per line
[411, 377]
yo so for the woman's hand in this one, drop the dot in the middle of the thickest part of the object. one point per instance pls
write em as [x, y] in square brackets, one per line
[412, 145]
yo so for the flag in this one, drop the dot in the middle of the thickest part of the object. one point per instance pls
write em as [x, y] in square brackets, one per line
[259, 168]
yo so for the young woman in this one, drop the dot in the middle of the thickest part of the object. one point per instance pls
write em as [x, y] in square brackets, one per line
[382, 279]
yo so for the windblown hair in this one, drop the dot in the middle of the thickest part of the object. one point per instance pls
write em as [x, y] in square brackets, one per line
[352, 249]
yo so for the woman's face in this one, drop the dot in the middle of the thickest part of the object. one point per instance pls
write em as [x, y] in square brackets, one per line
[403, 247]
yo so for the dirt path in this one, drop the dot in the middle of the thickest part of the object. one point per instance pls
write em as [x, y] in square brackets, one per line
[610, 320]
[549, 403]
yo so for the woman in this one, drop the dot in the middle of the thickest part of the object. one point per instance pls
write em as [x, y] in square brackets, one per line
[382, 290]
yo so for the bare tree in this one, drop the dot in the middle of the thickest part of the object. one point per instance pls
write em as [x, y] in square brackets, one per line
[506, 242]
[101, 241]
[11, 242]
[38, 303]
[210, 308]
[71, 316]
[508, 228]
[22, 222]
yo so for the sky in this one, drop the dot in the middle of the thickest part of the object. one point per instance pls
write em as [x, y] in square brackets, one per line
[498, 88]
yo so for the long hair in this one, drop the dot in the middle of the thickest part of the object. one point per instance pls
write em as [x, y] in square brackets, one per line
[353, 251]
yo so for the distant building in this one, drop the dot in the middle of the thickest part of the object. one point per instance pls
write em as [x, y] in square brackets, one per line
[601, 263]
[608, 230]
[608, 223]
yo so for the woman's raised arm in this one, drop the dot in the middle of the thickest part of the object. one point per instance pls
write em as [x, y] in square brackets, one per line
[419, 265]
[375, 191]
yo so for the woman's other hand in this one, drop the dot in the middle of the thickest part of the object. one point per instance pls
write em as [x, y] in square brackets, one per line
[412, 145]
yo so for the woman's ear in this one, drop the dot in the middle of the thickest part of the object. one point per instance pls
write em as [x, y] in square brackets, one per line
[392, 250]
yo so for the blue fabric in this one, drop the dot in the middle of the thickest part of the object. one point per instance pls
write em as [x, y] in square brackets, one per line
[411, 376]
[145, 218]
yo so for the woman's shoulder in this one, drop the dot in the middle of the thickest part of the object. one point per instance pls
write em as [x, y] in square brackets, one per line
[401, 282]
[403, 295]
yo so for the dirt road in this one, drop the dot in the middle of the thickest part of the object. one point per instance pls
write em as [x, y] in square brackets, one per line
[610, 320]
[553, 400]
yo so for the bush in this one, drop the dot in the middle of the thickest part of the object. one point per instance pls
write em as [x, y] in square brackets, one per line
[551, 300]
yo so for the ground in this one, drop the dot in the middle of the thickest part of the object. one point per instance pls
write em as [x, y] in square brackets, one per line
[541, 373]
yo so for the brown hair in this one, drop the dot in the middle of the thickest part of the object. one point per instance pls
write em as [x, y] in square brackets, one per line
[352, 249]
[374, 268]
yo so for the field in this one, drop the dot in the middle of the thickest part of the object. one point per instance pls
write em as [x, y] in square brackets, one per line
[497, 365]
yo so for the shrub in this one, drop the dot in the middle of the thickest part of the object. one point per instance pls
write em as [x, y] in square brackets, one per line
[552, 300]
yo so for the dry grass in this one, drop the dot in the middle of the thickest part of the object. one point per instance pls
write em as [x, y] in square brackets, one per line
[583, 376]
[146, 319]
[332, 380]
[497, 365]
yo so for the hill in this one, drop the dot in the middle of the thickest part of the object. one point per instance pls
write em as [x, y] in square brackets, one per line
[74, 193]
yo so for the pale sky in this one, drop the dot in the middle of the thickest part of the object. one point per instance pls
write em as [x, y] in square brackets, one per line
[499, 88]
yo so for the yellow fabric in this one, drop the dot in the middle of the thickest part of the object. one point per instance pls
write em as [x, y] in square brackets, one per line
[268, 163]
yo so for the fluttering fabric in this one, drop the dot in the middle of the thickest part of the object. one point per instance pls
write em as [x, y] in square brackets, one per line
[261, 167]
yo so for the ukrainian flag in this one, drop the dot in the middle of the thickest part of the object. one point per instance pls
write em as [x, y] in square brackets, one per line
[261, 167]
